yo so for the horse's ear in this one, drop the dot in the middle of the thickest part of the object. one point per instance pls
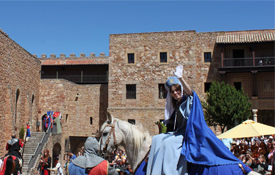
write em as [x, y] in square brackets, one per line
[109, 118]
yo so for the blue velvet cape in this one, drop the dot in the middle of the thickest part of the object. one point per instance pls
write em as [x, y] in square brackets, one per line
[200, 144]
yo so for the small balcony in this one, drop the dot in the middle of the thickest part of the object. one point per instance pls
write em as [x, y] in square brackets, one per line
[265, 64]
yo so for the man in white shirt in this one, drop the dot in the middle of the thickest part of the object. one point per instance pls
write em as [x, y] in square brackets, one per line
[59, 169]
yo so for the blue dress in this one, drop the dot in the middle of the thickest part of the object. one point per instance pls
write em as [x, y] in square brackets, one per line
[205, 153]
[164, 156]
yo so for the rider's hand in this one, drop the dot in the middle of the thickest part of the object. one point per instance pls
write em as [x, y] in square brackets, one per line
[179, 70]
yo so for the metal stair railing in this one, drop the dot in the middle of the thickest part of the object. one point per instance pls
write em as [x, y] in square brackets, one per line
[39, 148]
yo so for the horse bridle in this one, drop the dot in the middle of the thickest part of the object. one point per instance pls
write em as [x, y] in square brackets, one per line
[109, 137]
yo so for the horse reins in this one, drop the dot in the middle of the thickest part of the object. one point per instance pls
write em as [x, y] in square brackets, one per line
[109, 137]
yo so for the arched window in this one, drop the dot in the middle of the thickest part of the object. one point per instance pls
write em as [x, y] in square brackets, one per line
[16, 102]
[32, 99]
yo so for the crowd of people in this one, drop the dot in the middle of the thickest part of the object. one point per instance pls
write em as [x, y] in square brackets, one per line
[118, 160]
[257, 153]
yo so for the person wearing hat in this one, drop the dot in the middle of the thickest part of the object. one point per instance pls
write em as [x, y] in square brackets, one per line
[191, 140]
[90, 163]
[13, 147]
[164, 156]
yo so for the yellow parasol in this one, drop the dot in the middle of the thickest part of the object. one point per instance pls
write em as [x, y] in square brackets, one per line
[248, 128]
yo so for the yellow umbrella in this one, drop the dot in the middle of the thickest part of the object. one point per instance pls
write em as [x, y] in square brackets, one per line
[248, 128]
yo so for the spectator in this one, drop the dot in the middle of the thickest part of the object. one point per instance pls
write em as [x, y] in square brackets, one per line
[270, 155]
[111, 159]
[269, 148]
[273, 165]
[72, 156]
[1, 161]
[120, 158]
[243, 147]
[263, 150]
[79, 152]
[44, 163]
[59, 169]
[128, 170]
[55, 160]
[28, 133]
[262, 166]
[260, 62]
[69, 157]
[44, 119]
[242, 157]
[235, 149]
[249, 159]
[227, 142]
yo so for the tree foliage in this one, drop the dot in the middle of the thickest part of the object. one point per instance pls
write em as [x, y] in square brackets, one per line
[22, 132]
[224, 105]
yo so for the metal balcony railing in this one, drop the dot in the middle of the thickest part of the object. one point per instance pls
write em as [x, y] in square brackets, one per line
[248, 62]
[79, 79]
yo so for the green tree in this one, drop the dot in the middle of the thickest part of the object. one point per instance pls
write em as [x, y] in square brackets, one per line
[224, 105]
[22, 133]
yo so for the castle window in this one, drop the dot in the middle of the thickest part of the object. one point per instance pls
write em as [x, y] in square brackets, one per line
[163, 57]
[162, 91]
[207, 87]
[130, 91]
[131, 58]
[91, 120]
[207, 57]
[238, 85]
[67, 118]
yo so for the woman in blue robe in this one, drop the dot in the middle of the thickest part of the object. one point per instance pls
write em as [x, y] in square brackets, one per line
[201, 151]
[164, 156]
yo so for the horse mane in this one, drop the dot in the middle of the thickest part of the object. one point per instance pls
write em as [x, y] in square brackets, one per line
[137, 133]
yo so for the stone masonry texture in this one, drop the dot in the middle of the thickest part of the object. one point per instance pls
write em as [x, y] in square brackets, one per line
[19, 74]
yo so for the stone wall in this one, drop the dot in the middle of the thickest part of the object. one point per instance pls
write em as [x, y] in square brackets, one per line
[182, 47]
[77, 104]
[19, 89]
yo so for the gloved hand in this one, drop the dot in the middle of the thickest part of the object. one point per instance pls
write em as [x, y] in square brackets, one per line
[179, 70]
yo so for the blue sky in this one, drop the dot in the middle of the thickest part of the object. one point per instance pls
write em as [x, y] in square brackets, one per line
[46, 27]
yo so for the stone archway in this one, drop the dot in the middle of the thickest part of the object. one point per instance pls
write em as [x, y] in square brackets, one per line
[56, 153]
[43, 122]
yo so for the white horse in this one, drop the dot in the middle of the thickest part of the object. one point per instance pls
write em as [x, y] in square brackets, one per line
[134, 138]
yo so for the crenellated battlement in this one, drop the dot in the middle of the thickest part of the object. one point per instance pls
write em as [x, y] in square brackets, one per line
[73, 59]
[72, 56]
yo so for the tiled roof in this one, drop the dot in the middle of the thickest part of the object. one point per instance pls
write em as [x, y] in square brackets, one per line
[95, 61]
[246, 38]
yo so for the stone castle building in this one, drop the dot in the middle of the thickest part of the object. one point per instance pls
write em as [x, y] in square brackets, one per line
[129, 82]
[140, 63]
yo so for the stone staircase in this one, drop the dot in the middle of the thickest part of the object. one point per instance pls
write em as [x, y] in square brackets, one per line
[30, 147]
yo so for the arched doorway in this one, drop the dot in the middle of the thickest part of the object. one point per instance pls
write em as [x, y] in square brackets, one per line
[43, 122]
[16, 103]
[56, 154]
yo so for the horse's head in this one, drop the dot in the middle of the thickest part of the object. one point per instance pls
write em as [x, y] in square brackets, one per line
[109, 139]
